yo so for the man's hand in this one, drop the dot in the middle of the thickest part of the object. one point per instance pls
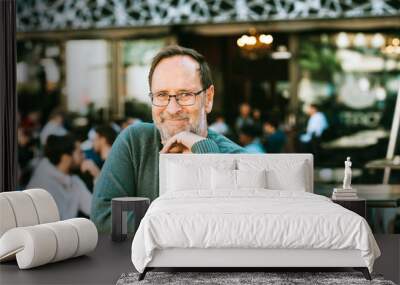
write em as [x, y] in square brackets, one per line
[181, 143]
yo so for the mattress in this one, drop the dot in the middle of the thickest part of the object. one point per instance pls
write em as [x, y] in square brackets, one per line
[251, 219]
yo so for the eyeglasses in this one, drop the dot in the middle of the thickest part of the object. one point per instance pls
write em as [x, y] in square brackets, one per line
[161, 99]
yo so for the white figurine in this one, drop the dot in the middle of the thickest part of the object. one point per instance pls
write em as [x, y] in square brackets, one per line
[347, 174]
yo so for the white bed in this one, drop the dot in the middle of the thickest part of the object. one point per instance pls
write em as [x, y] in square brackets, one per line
[268, 217]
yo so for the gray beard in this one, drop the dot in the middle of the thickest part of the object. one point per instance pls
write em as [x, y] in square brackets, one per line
[200, 128]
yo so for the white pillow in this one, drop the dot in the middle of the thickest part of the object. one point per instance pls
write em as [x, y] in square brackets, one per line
[223, 179]
[237, 179]
[279, 180]
[182, 177]
[251, 178]
[281, 174]
[185, 174]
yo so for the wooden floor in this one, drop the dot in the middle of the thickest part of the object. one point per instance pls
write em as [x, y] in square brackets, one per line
[389, 262]
[110, 259]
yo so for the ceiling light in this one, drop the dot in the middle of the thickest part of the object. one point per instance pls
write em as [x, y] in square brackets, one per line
[255, 45]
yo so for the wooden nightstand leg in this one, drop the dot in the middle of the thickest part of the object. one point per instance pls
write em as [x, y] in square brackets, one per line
[364, 271]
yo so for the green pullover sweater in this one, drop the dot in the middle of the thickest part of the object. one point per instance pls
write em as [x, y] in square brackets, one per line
[131, 168]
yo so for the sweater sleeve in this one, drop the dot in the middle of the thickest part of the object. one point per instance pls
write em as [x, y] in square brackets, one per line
[117, 179]
[205, 146]
[222, 143]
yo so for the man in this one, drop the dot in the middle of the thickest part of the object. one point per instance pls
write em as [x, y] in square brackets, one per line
[55, 126]
[62, 155]
[182, 95]
[220, 126]
[274, 138]
[103, 138]
[248, 137]
[244, 117]
[316, 125]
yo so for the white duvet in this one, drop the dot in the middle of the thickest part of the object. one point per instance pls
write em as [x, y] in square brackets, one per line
[253, 218]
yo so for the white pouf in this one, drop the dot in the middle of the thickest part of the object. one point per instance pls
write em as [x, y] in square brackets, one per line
[46, 207]
[31, 232]
[40, 244]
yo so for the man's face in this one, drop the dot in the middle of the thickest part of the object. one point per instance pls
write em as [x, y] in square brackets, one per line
[245, 110]
[268, 128]
[310, 110]
[179, 74]
[244, 139]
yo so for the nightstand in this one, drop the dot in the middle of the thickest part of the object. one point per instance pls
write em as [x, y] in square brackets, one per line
[358, 206]
[119, 210]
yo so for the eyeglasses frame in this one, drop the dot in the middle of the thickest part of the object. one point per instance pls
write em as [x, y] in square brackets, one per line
[177, 100]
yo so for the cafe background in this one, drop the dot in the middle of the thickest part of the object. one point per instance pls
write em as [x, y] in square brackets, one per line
[92, 59]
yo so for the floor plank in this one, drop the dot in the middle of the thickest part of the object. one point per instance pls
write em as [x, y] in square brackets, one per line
[389, 262]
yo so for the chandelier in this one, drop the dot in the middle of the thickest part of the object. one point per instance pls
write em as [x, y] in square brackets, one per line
[255, 45]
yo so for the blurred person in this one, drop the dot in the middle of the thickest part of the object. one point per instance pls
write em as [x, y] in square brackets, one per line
[182, 94]
[88, 151]
[55, 126]
[257, 121]
[101, 139]
[26, 154]
[104, 137]
[31, 123]
[274, 137]
[244, 117]
[316, 125]
[248, 138]
[54, 174]
[97, 147]
[256, 114]
[26, 149]
[220, 126]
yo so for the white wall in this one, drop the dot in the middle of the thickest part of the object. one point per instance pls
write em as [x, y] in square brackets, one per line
[87, 74]
[137, 83]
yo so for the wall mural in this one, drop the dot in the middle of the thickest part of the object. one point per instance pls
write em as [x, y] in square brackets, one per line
[45, 15]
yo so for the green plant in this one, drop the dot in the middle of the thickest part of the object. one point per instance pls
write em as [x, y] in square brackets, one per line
[319, 59]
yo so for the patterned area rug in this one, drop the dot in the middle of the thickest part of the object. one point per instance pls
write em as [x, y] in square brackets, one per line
[229, 278]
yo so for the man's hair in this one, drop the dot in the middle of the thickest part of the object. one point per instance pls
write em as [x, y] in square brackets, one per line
[56, 146]
[174, 50]
[273, 122]
[107, 132]
[57, 112]
[249, 130]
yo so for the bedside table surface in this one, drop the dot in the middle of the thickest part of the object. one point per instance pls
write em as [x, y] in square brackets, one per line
[376, 195]
[130, 199]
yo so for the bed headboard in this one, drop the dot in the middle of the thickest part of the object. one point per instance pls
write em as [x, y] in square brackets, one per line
[276, 160]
